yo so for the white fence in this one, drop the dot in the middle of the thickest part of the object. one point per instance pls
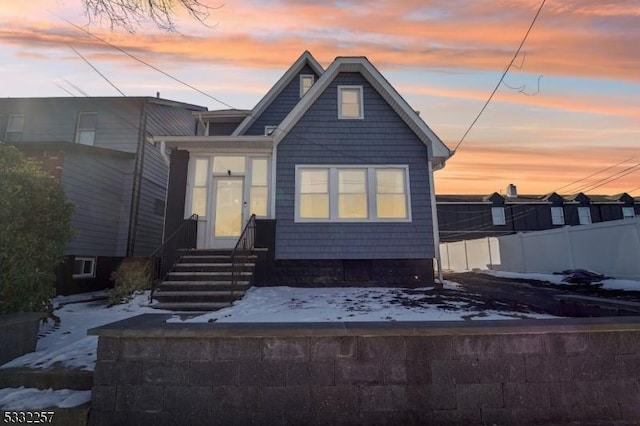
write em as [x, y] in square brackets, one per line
[611, 248]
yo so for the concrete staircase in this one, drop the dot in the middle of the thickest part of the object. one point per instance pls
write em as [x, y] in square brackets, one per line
[201, 281]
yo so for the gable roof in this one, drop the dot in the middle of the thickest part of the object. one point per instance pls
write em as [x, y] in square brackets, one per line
[436, 148]
[305, 59]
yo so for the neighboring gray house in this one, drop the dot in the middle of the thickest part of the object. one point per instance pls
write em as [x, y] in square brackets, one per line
[102, 152]
[338, 169]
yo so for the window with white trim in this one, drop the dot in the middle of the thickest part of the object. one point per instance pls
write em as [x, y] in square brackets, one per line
[584, 215]
[84, 267]
[306, 81]
[259, 191]
[350, 102]
[628, 213]
[268, 130]
[199, 190]
[557, 215]
[352, 194]
[86, 130]
[497, 216]
[15, 126]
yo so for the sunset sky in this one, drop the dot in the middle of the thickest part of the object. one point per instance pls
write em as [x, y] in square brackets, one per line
[443, 56]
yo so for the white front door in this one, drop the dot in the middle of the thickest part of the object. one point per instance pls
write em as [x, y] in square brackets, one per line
[228, 209]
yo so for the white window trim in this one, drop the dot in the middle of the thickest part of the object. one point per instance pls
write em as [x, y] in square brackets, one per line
[333, 193]
[628, 209]
[561, 220]
[7, 131]
[584, 212]
[268, 130]
[360, 99]
[91, 274]
[500, 220]
[302, 77]
[78, 129]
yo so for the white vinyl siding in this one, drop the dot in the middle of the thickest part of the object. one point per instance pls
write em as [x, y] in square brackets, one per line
[352, 194]
[557, 215]
[350, 102]
[497, 216]
[584, 215]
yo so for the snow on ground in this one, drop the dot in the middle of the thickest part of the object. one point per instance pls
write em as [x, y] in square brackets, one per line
[294, 304]
[67, 344]
[17, 399]
[610, 284]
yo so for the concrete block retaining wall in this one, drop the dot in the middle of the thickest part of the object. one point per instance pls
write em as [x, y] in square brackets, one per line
[491, 372]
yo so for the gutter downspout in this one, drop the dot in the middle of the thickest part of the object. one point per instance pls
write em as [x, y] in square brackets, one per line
[137, 183]
[436, 228]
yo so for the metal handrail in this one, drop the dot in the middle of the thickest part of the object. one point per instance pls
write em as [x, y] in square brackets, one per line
[168, 254]
[246, 244]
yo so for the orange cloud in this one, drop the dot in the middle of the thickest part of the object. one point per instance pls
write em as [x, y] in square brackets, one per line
[488, 167]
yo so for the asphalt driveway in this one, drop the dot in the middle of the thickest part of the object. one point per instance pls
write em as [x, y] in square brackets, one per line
[534, 295]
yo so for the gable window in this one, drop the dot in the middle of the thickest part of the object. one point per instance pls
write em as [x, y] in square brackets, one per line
[628, 213]
[584, 215]
[84, 267]
[497, 216]
[86, 131]
[352, 193]
[268, 130]
[15, 126]
[306, 81]
[557, 215]
[350, 102]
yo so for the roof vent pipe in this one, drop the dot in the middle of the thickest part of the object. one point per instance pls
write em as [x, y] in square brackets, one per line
[512, 191]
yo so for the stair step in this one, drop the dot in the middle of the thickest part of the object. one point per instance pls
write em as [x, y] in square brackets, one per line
[55, 378]
[213, 259]
[201, 286]
[191, 306]
[191, 293]
[212, 267]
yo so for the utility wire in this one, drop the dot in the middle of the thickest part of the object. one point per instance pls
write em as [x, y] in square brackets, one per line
[593, 174]
[506, 70]
[612, 178]
[76, 87]
[143, 62]
[96, 70]
[61, 87]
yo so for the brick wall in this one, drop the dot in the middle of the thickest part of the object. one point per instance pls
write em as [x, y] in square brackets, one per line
[492, 372]
[49, 161]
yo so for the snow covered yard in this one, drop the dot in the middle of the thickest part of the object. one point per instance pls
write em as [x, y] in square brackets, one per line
[294, 304]
[67, 345]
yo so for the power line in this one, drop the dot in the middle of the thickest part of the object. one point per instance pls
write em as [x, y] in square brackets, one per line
[614, 177]
[535, 18]
[143, 62]
[61, 87]
[76, 87]
[96, 70]
[591, 175]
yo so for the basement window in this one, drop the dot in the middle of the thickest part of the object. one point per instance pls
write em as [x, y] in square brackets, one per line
[84, 267]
